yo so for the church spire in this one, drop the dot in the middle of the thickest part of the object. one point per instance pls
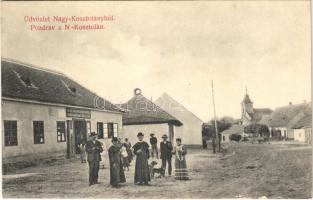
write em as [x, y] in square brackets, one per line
[247, 99]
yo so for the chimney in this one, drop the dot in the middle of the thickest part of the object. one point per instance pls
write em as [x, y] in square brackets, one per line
[137, 91]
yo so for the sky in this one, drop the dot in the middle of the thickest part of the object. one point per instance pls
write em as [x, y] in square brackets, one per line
[174, 47]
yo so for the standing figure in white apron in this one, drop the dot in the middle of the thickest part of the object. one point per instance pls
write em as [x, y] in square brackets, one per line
[180, 151]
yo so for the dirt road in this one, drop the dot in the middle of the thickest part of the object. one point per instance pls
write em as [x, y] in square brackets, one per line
[246, 170]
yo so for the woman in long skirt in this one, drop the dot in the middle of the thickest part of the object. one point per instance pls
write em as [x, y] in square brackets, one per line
[180, 151]
[116, 168]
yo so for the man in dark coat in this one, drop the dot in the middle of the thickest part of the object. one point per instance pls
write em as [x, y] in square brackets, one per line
[93, 149]
[116, 168]
[141, 150]
[166, 148]
[154, 145]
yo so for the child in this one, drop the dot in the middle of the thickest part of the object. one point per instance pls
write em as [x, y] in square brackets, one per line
[124, 154]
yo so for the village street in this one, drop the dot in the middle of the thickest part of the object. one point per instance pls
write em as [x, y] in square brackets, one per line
[244, 171]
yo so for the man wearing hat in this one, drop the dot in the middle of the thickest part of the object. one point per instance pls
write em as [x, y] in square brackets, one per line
[166, 148]
[93, 148]
[141, 150]
[154, 145]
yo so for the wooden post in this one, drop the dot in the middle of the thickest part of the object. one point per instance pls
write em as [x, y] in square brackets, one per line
[217, 139]
[213, 145]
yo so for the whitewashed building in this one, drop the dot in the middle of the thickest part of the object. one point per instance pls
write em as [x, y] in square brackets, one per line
[191, 130]
[142, 115]
[303, 129]
[47, 114]
[236, 129]
[282, 120]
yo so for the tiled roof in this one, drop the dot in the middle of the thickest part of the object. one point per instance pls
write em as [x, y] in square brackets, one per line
[26, 82]
[140, 110]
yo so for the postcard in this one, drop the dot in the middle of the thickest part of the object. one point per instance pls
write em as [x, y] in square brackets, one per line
[156, 99]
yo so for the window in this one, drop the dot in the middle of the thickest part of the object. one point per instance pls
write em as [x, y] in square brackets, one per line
[111, 130]
[39, 137]
[10, 133]
[61, 132]
[100, 130]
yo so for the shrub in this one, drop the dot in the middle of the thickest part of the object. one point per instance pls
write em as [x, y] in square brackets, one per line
[235, 137]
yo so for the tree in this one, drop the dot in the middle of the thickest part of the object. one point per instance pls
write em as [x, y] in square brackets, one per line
[235, 137]
[222, 125]
[264, 130]
[227, 119]
[257, 130]
[252, 128]
[208, 129]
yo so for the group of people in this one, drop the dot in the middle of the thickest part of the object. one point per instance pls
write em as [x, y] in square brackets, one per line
[167, 150]
[121, 154]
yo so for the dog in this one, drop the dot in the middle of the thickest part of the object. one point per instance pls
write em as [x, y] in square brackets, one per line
[153, 171]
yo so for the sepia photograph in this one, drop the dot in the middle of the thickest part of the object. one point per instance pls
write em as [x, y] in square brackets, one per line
[156, 99]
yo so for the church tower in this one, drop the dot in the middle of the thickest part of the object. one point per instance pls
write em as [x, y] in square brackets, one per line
[246, 110]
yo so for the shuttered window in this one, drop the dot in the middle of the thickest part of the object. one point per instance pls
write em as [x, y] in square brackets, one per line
[110, 130]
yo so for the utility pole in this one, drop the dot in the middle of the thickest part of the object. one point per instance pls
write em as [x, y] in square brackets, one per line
[217, 139]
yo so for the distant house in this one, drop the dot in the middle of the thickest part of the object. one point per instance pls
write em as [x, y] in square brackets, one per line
[282, 120]
[142, 115]
[45, 113]
[251, 115]
[234, 129]
[191, 130]
[303, 129]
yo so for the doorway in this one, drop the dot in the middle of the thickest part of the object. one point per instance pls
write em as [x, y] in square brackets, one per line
[80, 134]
